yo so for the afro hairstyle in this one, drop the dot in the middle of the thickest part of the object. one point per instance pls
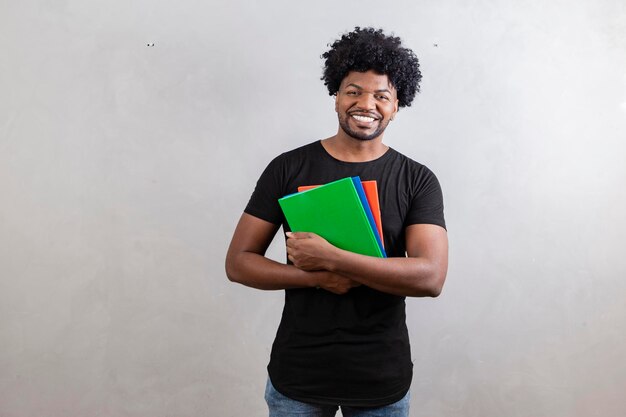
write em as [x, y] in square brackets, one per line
[370, 49]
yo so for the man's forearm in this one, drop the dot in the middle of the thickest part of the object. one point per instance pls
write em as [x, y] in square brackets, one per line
[414, 277]
[257, 271]
[421, 274]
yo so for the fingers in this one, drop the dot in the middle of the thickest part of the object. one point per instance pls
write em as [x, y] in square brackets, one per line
[299, 235]
[335, 283]
[303, 250]
[292, 240]
[340, 290]
[301, 261]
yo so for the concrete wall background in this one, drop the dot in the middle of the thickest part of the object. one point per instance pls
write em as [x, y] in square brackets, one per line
[124, 168]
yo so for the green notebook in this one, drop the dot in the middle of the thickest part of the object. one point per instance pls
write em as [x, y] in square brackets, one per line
[335, 212]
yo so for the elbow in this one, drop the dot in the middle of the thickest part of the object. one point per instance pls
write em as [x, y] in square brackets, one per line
[436, 284]
[437, 279]
[230, 275]
[231, 270]
[431, 287]
[434, 291]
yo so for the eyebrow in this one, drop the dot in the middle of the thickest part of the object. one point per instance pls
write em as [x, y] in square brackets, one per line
[382, 90]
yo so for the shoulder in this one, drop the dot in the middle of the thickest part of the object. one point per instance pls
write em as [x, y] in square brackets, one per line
[281, 170]
[312, 147]
[275, 182]
[302, 151]
[423, 193]
[416, 171]
[299, 154]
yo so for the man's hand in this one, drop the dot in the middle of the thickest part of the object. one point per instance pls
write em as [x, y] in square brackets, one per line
[420, 274]
[308, 251]
[335, 283]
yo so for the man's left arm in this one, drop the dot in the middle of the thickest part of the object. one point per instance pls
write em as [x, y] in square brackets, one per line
[420, 274]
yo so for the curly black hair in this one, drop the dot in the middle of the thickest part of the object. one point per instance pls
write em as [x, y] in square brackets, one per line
[370, 49]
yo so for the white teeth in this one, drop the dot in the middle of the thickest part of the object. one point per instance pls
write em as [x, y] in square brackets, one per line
[363, 118]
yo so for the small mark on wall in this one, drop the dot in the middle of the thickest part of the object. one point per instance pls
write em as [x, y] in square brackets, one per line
[150, 44]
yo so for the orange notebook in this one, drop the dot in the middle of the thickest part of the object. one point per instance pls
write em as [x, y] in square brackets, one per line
[371, 193]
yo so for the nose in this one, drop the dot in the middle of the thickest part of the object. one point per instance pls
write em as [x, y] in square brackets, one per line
[366, 101]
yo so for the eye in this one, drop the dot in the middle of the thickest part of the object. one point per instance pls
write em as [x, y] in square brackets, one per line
[382, 97]
[351, 93]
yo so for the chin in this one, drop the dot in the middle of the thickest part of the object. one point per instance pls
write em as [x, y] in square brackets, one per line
[363, 137]
[355, 134]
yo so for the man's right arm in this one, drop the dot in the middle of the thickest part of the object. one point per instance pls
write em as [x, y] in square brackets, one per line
[246, 262]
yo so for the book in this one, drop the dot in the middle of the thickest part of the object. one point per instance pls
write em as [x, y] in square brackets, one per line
[335, 212]
[368, 211]
[371, 192]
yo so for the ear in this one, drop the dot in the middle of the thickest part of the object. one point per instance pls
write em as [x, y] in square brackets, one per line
[395, 109]
[336, 102]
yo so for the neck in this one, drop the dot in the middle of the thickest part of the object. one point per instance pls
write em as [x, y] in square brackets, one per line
[348, 149]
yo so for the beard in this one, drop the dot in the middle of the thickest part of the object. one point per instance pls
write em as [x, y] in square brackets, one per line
[359, 135]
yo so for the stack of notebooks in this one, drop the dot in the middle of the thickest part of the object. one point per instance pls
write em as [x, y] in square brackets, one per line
[345, 212]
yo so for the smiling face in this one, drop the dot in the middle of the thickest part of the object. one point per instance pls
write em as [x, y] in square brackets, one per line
[365, 103]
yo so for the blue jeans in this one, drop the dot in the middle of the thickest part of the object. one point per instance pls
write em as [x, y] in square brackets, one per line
[281, 406]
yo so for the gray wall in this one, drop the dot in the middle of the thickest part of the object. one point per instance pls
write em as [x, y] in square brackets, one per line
[124, 169]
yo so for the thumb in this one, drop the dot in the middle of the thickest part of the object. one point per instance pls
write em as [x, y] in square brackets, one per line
[299, 235]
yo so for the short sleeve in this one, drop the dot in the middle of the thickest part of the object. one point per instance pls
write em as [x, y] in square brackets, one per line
[427, 200]
[269, 188]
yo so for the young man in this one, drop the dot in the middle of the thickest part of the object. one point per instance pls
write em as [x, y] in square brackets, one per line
[342, 340]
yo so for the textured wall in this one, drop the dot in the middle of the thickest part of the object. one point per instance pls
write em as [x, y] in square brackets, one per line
[131, 136]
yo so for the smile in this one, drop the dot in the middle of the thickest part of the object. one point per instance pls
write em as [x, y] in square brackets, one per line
[366, 119]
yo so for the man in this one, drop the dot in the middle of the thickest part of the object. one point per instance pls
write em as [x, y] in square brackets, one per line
[342, 340]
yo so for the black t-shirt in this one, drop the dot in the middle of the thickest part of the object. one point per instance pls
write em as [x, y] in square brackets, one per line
[350, 349]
